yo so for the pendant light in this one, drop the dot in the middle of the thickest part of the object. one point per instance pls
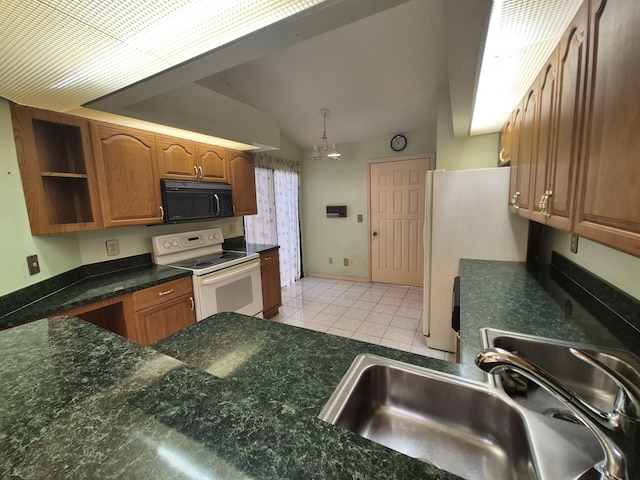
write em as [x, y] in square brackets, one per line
[331, 153]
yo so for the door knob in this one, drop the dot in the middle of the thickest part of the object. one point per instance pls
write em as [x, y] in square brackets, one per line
[375, 234]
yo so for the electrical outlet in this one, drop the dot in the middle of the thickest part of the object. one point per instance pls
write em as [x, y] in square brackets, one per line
[232, 228]
[33, 264]
[330, 260]
[351, 262]
[359, 218]
[112, 247]
[345, 262]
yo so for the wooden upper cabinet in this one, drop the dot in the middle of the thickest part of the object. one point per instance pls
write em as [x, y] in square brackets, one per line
[181, 159]
[528, 149]
[243, 182]
[526, 130]
[561, 179]
[176, 158]
[212, 164]
[542, 162]
[127, 171]
[57, 170]
[608, 192]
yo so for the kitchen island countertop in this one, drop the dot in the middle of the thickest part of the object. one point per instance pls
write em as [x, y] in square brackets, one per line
[81, 402]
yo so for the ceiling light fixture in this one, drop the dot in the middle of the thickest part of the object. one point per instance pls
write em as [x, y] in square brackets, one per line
[331, 152]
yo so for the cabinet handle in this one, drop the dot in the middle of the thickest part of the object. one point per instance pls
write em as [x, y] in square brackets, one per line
[193, 305]
[195, 171]
[542, 204]
[267, 259]
[514, 200]
[161, 213]
[200, 172]
[548, 194]
[161, 294]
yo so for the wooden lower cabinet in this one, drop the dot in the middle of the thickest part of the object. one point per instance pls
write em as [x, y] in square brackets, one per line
[270, 276]
[162, 310]
[145, 316]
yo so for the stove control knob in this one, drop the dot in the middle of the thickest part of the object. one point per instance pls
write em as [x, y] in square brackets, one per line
[217, 236]
[210, 236]
[175, 243]
[166, 244]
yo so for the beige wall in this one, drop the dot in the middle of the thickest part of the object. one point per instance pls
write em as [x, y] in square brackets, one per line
[344, 182]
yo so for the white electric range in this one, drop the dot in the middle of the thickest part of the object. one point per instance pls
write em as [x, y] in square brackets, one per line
[223, 280]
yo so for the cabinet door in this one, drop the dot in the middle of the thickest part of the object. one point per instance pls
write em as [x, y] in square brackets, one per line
[608, 196]
[126, 161]
[177, 158]
[515, 175]
[569, 107]
[212, 165]
[165, 319]
[527, 150]
[243, 182]
[57, 170]
[542, 160]
[270, 276]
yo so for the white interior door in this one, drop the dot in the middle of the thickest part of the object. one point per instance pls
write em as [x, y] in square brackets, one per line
[396, 205]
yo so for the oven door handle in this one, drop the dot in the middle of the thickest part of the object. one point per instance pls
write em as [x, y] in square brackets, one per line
[213, 277]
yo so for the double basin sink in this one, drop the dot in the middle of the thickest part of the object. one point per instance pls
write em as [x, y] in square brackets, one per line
[480, 430]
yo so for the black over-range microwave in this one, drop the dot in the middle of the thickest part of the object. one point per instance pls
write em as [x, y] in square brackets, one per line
[193, 201]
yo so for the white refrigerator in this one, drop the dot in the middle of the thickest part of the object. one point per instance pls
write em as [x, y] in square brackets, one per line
[466, 216]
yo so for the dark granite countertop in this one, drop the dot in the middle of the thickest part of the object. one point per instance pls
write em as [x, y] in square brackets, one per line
[530, 299]
[239, 244]
[35, 303]
[234, 397]
[81, 402]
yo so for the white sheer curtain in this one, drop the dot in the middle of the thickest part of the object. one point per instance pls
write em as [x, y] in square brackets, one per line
[277, 188]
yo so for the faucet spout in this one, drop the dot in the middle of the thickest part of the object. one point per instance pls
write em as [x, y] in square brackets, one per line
[618, 432]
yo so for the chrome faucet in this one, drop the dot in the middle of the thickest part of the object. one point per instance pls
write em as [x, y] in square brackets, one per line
[618, 432]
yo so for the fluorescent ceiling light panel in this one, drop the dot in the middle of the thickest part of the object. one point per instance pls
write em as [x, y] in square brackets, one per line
[521, 36]
[74, 51]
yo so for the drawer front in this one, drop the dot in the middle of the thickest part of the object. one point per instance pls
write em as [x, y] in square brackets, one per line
[269, 257]
[162, 293]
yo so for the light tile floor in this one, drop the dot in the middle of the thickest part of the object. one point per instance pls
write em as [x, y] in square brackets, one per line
[380, 313]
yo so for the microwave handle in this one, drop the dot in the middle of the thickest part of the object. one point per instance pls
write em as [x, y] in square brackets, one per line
[215, 195]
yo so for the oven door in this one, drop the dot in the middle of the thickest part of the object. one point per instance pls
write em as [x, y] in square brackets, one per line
[234, 289]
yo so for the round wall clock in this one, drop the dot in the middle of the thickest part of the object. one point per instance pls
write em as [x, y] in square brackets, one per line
[398, 143]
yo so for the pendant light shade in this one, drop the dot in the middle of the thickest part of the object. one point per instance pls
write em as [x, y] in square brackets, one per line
[331, 153]
[316, 155]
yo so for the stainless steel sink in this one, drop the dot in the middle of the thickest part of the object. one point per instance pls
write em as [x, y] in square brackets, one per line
[467, 428]
[590, 383]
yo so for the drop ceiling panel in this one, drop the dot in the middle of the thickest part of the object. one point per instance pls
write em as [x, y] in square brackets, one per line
[59, 54]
